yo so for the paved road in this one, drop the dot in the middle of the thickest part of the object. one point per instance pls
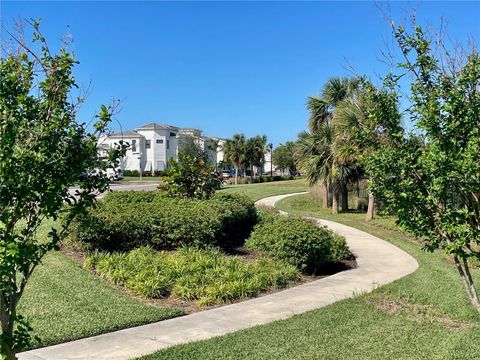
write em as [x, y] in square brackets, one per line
[378, 263]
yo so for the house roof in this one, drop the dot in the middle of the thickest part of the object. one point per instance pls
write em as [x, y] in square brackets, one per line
[126, 134]
[155, 126]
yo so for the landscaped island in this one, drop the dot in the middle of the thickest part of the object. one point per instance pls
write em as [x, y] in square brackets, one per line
[193, 252]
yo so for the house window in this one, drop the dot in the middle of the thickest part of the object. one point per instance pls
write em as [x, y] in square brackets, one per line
[168, 144]
[159, 141]
[147, 144]
[134, 145]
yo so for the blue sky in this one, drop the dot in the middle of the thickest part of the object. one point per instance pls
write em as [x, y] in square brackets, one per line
[224, 67]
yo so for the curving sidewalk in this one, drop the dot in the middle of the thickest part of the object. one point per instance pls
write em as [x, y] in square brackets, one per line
[378, 263]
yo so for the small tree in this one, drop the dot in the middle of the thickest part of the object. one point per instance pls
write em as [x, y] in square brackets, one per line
[189, 145]
[191, 177]
[284, 157]
[431, 181]
[43, 150]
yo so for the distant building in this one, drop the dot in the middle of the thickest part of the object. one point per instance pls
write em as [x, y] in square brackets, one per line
[153, 145]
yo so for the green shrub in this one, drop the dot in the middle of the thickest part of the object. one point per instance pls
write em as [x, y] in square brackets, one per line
[297, 241]
[131, 219]
[191, 177]
[133, 173]
[237, 214]
[206, 276]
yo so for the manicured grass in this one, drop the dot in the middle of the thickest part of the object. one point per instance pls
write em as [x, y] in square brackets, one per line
[425, 315]
[262, 190]
[64, 302]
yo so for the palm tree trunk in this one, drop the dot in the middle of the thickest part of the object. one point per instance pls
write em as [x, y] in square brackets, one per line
[325, 195]
[344, 197]
[236, 175]
[335, 198]
[371, 207]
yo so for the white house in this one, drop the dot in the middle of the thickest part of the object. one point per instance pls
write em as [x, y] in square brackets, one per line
[153, 145]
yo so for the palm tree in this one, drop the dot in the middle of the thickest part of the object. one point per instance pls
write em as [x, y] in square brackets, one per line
[351, 118]
[256, 147]
[234, 150]
[322, 116]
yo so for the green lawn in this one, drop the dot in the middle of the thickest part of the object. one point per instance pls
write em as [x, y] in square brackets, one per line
[425, 315]
[65, 302]
[259, 191]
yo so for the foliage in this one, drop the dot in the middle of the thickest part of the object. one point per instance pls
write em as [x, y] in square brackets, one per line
[191, 177]
[133, 173]
[432, 181]
[189, 145]
[317, 154]
[298, 242]
[238, 215]
[255, 149]
[43, 150]
[206, 276]
[234, 151]
[130, 219]
[284, 157]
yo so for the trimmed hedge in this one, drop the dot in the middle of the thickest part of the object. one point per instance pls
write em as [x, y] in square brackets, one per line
[297, 241]
[131, 219]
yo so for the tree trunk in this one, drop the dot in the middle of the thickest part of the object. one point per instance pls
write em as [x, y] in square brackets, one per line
[468, 282]
[335, 196]
[325, 195]
[371, 207]
[7, 332]
[236, 175]
[344, 197]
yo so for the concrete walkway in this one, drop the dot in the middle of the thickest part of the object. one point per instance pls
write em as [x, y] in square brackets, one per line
[379, 262]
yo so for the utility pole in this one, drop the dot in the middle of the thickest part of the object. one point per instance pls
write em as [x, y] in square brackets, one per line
[270, 146]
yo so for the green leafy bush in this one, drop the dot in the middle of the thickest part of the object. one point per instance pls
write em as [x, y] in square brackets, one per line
[206, 276]
[297, 241]
[134, 173]
[191, 177]
[131, 219]
[238, 215]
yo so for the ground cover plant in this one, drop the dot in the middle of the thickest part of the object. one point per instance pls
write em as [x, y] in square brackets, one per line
[425, 315]
[205, 276]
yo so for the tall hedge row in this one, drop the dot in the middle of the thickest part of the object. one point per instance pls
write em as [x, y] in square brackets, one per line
[127, 220]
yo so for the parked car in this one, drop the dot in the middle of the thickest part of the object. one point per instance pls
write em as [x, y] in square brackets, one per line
[225, 174]
[111, 173]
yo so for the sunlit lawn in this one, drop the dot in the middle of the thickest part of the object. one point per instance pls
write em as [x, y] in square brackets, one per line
[259, 191]
[63, 302]
[425, 315]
